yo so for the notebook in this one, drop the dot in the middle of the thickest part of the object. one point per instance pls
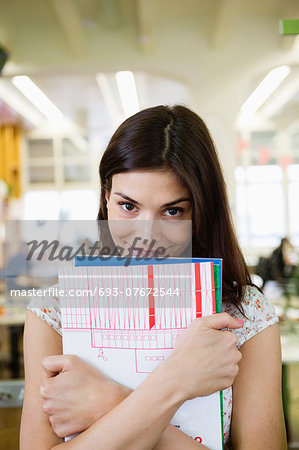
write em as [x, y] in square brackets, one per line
[125, 320]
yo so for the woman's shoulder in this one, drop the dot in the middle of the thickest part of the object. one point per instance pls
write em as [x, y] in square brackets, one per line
[259, 313]
[47, 307]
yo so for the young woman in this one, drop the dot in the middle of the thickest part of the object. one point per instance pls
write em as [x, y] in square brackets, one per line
[161, 164]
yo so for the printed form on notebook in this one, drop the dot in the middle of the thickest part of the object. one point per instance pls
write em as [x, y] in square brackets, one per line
[125, 320]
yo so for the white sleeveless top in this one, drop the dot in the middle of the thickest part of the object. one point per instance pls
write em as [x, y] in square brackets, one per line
[259, 314]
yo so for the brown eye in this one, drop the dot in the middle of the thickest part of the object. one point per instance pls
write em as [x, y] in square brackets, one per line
[175, 212]
[125, 206]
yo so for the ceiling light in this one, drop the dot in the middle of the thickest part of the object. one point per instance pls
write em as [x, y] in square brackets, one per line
[271, 82]
[109, 97]
[127, 91]
[19, 104]
[37, 97]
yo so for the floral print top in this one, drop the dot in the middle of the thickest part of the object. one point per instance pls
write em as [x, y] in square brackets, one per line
[259, 314]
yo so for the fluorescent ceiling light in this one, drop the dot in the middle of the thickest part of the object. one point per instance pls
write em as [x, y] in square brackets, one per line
[19, 104]
[282, 98]
[37, 97]
[265, 89]
[109, 97]
[127, 91]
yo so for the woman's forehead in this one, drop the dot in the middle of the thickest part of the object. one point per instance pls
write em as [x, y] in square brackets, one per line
[145, 183]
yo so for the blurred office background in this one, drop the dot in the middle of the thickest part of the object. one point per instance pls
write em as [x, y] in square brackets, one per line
[72, 70]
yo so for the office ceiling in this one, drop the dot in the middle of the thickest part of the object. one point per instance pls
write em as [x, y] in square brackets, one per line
[209, 54]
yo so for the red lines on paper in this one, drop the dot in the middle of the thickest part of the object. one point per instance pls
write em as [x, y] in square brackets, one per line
[151, 300]
[198, 290]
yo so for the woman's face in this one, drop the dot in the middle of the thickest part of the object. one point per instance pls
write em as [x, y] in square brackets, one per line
[150, 209]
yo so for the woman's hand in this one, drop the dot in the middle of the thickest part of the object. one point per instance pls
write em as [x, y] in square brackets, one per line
[75, 394]
[205, 358]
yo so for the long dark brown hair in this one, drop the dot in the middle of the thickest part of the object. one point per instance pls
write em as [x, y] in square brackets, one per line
[174, 137]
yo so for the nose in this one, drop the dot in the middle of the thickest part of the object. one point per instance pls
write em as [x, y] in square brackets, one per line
[147, 230]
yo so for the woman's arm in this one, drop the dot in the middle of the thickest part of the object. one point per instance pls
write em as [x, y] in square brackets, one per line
[141, 418]
[203, 361]
[137, 422]
[40, 340]
[257, 420]
[80, 395]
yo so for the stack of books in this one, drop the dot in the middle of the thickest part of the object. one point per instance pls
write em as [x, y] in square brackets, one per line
[125, 320]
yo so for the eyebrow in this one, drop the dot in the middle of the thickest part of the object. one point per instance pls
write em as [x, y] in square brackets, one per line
[179, 200]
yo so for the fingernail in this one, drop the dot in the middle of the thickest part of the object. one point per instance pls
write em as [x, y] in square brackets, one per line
[240, 321]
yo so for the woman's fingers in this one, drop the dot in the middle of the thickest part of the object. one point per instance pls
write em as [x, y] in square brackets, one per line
[75, 394]
[54, 365]
[205, 357]
[222, 320]
[58, 363]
